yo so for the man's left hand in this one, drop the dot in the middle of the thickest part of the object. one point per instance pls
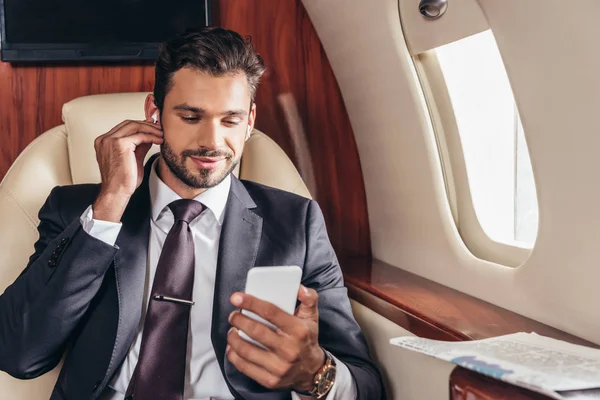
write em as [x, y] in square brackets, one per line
[293, 354]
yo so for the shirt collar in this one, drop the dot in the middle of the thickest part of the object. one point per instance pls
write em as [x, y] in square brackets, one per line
[161, 196]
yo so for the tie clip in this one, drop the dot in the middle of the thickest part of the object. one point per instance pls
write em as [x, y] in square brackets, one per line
[173, 300]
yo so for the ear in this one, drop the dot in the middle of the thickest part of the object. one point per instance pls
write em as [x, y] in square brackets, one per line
[251, 120]
[151, 111]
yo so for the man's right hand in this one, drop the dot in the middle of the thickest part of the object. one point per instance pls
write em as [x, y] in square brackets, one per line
[120, 154]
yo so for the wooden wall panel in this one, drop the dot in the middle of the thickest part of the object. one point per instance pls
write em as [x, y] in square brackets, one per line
[299, 106]
[32, 96]
[431, 310]
[469, 385]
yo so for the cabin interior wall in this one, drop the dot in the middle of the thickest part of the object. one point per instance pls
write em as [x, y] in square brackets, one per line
[299, 106]
[554, 78]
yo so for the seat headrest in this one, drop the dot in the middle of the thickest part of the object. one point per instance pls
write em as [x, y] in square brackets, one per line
[88, 117]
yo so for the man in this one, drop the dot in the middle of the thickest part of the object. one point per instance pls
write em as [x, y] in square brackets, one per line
[139, 278]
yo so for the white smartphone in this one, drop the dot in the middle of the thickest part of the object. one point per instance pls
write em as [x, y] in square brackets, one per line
[277, 285]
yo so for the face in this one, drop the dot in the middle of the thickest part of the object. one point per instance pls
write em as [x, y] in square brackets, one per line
[205, 120]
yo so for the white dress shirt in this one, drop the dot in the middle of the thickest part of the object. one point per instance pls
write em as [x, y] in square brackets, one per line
[203, 380]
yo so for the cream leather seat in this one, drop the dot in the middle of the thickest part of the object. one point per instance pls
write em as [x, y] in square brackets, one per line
[65, 155]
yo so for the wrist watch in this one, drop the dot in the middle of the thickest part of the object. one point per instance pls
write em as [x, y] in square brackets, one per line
[323, 380]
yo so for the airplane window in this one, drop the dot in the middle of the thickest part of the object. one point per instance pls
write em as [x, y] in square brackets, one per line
[492, 138]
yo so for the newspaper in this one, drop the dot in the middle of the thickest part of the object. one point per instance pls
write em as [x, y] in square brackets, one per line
[555, 368]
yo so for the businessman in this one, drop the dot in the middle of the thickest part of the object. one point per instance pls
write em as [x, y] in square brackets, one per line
[139, 279]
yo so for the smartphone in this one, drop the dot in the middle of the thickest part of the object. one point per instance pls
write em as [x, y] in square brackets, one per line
[277, 285]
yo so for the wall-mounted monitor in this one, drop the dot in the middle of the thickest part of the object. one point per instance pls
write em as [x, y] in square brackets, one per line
[98, 30]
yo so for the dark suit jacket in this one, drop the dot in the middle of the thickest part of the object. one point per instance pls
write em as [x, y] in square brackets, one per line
[80, 295]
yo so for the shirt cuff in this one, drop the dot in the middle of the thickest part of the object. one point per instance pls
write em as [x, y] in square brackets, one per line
[344, 387]
[105, 231]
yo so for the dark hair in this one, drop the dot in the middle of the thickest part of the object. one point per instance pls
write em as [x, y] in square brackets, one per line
[217, 51]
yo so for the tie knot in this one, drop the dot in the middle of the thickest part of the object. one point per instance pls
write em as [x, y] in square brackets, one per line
[186, 210]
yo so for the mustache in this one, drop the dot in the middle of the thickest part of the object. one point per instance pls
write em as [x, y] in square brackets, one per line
[207, 153]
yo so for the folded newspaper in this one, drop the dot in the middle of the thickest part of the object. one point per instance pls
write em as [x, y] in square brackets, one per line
[555, 368]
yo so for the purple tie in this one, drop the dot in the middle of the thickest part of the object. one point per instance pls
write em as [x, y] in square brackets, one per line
[160, 371]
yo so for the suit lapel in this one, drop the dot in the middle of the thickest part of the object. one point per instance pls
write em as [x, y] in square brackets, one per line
[130, 269]
[238, 246]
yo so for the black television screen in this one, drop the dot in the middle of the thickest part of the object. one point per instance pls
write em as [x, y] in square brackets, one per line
[73, 30]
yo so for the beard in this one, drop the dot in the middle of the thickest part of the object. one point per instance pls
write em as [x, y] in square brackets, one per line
[201, 178]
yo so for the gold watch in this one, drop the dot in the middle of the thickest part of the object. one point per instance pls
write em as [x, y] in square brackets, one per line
[324, 379]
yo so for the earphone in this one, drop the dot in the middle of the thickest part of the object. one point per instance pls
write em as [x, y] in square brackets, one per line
[155, 117]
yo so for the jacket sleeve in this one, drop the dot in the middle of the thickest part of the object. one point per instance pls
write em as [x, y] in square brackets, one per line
[339, 333]
[42, 307]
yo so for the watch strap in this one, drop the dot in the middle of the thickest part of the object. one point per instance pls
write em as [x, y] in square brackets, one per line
[329, 360]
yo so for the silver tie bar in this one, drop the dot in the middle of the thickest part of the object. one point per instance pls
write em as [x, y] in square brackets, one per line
[173, 300]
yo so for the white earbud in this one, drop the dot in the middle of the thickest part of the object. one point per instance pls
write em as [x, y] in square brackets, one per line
[248, 132]
[155, 117]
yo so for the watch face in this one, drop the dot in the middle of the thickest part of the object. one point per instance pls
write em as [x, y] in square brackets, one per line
[327, 380]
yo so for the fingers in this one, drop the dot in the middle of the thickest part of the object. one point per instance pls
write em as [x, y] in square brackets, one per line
[266, 310]
[137, 126]
[141, 138]
[112, 131]
[254, 354]
[252, 370]
[131, 134]
[116, 128]
[256, 330]
[293, 351]
[142, 149]
[309, 304]
[128, 128]
[133, 142]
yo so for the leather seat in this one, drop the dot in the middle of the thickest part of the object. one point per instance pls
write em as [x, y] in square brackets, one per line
[65, 155]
